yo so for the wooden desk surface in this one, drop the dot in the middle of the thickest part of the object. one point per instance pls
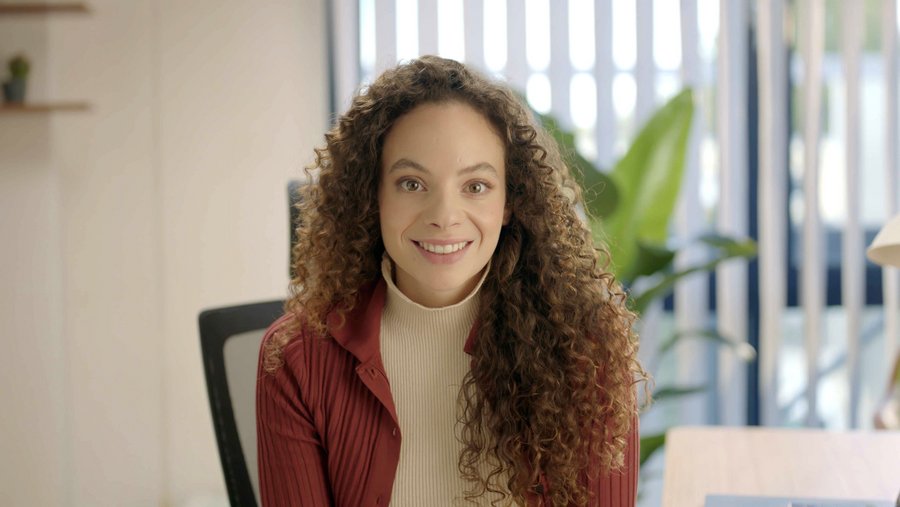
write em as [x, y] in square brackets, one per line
[779, 462]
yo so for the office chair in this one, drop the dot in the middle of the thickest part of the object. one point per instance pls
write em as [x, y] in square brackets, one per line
[230, 338]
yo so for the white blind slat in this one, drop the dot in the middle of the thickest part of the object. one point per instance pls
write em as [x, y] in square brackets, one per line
[812, 270]
[560, 63]
[691, 294]
[645, 67]
[732, 134]
[853, 269]
[345, 56]
[517, 58]
[428, 27]
[385, 35]
[773, 174]
[605, 129]
[473, 14]
[890, 276]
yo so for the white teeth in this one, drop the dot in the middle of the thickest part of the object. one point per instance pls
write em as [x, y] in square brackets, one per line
[442, 249]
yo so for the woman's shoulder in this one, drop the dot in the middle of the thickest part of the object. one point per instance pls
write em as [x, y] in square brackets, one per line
[300, 344]
[296, 358]
[297, 342]
[291, 332]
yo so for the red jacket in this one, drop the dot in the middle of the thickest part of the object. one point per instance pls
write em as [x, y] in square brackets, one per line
[327, 431]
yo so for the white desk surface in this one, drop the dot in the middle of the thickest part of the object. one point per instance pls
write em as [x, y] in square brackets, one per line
[779, 462]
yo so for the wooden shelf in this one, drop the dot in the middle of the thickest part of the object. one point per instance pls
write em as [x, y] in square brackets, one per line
[12, 8]
[43, 107]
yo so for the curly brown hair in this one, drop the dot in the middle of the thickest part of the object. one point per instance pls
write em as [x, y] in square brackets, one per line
[554, 368]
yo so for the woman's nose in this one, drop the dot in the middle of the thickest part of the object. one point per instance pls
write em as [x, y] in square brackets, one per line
[444, 210]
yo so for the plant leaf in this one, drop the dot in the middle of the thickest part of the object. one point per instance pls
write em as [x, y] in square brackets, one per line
[650, 444]
[668, 392]
[600, 193]
[641, 301]
[744, 350]
[652, 259]
[648, 178]
[730, 246]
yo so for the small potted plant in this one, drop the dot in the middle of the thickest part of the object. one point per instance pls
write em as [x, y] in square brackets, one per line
[14, 87]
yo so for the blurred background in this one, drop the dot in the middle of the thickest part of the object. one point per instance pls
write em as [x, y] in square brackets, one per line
[147, 182]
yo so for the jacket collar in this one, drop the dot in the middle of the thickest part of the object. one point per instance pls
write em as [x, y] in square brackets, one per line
[361, 326]
[360, 332]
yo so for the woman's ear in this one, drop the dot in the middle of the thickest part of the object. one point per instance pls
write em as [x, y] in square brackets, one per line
[507, 213]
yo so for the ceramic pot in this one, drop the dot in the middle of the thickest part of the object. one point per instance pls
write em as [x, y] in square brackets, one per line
[14, 90]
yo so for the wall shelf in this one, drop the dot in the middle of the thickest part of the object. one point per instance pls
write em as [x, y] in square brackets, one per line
[43, 107]
[9, 8]
[13, 8]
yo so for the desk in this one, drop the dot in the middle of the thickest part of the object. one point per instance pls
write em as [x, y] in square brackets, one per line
[779, 462]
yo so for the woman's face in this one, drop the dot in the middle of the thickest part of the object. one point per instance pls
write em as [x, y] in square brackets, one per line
[442, 198]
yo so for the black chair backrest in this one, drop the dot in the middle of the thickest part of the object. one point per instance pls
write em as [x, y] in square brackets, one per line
[230, 338]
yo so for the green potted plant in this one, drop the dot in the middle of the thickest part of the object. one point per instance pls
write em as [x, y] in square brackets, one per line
[14, 87]
[630, 209]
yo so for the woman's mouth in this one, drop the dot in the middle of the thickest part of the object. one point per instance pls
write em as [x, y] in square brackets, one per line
[442, 249]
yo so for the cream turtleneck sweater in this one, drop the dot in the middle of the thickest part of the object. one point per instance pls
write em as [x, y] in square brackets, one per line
[422, 350]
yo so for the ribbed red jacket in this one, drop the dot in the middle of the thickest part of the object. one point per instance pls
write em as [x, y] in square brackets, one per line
[327, 431]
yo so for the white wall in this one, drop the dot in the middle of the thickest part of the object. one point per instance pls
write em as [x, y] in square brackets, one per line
[120, 224]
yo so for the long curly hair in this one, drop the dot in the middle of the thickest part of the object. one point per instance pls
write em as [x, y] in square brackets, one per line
[554, 368]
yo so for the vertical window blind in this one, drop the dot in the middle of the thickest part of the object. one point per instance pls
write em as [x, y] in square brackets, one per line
[794, 143]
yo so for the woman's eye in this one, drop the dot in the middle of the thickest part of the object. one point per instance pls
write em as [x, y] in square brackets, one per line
[476, 187]
[410, 185]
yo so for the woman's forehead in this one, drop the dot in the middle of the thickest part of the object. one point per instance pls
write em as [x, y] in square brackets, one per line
[442, 134]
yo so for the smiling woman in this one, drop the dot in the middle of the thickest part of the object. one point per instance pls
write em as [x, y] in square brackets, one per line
[441, 200]
[452, 335]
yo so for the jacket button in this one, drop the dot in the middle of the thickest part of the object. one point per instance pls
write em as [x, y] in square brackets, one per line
[394, 432]
[378, 500]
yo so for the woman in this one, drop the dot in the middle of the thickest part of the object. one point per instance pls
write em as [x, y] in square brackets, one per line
[451, 336]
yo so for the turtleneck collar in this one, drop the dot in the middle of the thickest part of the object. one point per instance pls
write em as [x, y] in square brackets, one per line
[396, 300]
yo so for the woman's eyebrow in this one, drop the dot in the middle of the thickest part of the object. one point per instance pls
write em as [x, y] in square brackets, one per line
[405, 163]
[481, 166]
